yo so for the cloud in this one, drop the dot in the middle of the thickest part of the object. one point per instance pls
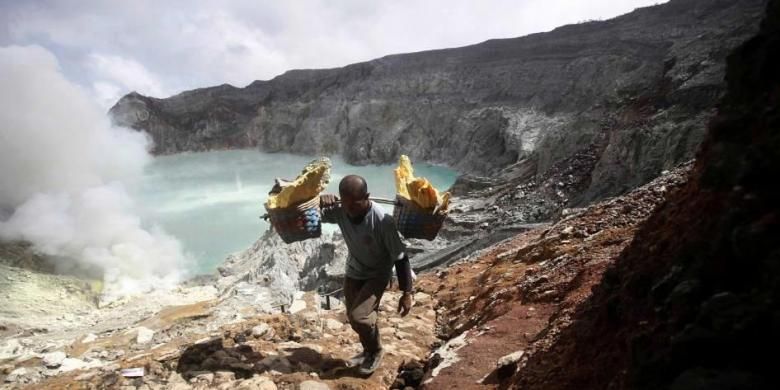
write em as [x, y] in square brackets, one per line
[166, 47]
[62, 169]
[114, 75]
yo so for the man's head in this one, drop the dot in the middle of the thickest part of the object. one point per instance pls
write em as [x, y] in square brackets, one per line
[353, 191]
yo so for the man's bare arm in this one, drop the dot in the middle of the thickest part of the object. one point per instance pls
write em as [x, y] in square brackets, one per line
[403, 270]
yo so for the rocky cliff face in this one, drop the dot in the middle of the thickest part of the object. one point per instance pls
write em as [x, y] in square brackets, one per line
[270, 272]
[637, 89]
[692, 303]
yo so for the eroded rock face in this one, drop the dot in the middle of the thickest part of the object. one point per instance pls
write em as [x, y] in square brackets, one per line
[692, 301]
[639, 87]
[269, 273]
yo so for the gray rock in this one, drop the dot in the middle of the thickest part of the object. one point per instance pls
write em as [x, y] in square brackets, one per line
[144, 335]
[421, 297]
[224, 376]
[175, 377]
[332, 324]
[297, 306]
[257, 383]
[10, 348]
[313, 385]
[206, 377]
[262, 330]
[53, 359]
[510, 359]
[70, 364]
[277, 363]
[270, 272]
[16, 375]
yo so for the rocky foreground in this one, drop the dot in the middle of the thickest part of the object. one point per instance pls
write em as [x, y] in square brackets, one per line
[504, 300]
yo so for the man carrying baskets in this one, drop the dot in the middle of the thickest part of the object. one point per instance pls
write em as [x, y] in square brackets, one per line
[374, 248]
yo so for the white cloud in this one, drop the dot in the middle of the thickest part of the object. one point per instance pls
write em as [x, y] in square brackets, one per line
[106, 93]
[114, 75]
[230, 50]
[165, 47]
[62, 166]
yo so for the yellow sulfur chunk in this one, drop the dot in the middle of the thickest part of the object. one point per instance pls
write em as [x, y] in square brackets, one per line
[423, 193]
[419, 190]
[312, 180]
[444, 202]
[403, 174]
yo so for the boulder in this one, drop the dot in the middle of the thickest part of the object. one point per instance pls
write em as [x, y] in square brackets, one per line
[262, 330]
[53, 359]
[332, 324]
[144, 335]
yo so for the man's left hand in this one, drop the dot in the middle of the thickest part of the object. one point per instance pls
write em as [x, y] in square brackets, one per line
[405, 304]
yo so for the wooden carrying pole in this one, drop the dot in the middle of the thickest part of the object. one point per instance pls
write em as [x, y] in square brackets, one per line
[378, 200]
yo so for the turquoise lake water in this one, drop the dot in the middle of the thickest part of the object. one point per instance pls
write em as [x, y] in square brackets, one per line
[212, 201]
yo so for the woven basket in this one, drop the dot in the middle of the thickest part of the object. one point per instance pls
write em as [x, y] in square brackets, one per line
[297, 222]
[412, 221]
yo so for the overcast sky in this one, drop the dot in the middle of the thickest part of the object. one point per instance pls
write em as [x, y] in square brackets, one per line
[160, 48]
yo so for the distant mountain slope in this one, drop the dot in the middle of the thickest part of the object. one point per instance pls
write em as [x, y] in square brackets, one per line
[639, 88]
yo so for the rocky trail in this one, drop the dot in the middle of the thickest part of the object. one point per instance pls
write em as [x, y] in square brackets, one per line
[306, 348]
[503, 302]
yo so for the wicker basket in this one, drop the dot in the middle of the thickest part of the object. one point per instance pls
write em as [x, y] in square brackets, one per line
[412, 221]
[297, 222]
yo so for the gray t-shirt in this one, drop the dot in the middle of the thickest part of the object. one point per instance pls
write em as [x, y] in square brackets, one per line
[374, 245]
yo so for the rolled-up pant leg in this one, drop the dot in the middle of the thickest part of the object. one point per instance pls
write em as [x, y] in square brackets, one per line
[361, 298]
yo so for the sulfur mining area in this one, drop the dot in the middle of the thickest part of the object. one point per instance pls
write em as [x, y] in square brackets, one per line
[613, 221]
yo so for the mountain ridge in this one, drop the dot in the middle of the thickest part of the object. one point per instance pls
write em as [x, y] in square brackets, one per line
[629, 84]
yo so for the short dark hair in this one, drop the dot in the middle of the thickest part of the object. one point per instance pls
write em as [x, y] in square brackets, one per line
[354, 185]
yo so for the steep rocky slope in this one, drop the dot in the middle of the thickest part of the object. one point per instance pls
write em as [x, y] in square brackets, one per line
[672, 286]
[497, 301]
[693, 301]
[638, 88]
[518, 295]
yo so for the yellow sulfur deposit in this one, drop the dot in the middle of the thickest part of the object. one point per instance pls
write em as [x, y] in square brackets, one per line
[403, 174]
[419, 190]
[312, 180]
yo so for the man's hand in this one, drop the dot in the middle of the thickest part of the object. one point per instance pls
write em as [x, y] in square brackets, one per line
[405, 304]
[328, 200]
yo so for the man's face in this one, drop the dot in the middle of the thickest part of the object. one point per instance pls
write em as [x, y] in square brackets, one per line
[355, 206]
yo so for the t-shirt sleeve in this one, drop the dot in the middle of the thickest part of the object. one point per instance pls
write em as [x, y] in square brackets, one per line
[395, 247]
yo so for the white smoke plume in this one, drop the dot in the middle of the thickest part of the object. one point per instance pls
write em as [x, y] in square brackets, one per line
[62, 169]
